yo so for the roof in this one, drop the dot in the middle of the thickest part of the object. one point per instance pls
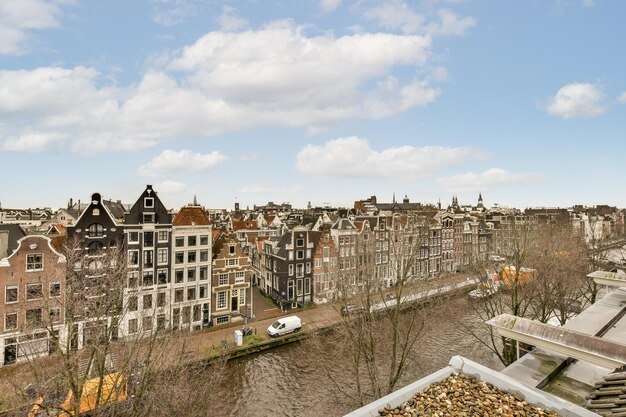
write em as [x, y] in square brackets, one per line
[15, 233]
[191, 216]
[462, 378]
[116, 208]
[609, 396]
[243, 224]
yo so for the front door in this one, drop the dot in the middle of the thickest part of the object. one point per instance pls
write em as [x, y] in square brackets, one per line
[233, 303]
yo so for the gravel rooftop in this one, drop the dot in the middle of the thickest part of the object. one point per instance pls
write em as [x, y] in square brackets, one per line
[462, 395]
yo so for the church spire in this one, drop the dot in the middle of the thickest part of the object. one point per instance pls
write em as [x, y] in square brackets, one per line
[195, 200]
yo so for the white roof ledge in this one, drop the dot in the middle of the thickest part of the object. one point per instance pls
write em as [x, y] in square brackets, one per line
[577, 345]
[614, 279]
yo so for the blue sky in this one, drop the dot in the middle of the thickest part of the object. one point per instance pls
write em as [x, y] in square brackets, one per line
[319, 100]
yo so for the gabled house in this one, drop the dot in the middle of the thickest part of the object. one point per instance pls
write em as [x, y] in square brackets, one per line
[147, 239]
[231, 296]
[32, 288]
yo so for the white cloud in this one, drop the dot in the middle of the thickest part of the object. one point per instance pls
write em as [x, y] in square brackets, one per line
[622, 97]
[19, 17]
[328, 6]
[492, 177]
[173, 12]
[577, 100]
[251, 156]
[353, 157]
[450, 24]
[229, 20]
[396, 14]
[171, 187]
[226, 81]
[171, 162]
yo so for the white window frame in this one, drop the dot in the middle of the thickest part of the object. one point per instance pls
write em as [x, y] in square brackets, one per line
[130, 233]
[33, 265]
[147, 200]
[10, 287]
[162, 260]
[240, 277]
[160, 233]
[33, 285]
[136, 265]
[220, 300]
[221, 280]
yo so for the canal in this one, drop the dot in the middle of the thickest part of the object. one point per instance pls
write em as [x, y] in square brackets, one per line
[289, 380]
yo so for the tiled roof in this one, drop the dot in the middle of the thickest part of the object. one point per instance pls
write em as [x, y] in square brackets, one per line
[239, 225]
[609, 396]
[191, 216]
[15, 233]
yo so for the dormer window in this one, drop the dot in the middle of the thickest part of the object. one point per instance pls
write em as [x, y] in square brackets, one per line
[148, 202]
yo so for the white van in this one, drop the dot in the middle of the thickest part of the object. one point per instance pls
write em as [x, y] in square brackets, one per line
[284, 325]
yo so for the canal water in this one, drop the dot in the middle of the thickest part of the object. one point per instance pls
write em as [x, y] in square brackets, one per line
[289, 380]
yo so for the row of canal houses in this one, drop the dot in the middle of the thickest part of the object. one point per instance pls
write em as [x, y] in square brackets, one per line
[145, 268]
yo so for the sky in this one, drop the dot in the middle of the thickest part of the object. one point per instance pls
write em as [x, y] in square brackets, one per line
[327, 101]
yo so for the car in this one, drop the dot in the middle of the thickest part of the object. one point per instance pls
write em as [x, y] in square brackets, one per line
[284, 326]
[351, 309]
[483, 292]
[496, 258]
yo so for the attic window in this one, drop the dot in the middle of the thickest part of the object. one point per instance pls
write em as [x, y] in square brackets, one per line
[148, 202]
[300, 242]
[95, 212]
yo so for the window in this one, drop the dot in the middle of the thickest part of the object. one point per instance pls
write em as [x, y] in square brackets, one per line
[95, 212]
[162, 256]
[147, 324]
[307, 285]
[33, 317]
[162, 235]
[132, 326]
[148, 218]
[223, 279]
[179, 276]
[148, 258]
[148, 239]
[179, 242]
[204, 273]
[233, 262]
[161, 299]
[299, 286]
[203, 291]
[10, 294]
[204, 255]
[133, 258]
[34, 291]
[242, 296]
[299, 270]
[95, 230]
[179, 257]
[231, 249]
[221, 300]
[186, 314]
[10, 321]
[34, 262]
[191, 241]
[147, 301]
[191, 256]
[318, 263]
[178, 295]
[196, 313]
[204, 240]
[55, 315]
[148, 202]
[290, 270]
[133, 237]
[162, 276]
[191, 294]
[240, 277]
[55, 289]
[308, 267]
[191, 274]
[132, 303]
[222, 320]
[148, 278]
[300, 254]
[161, 322]
[299, 242]
[133, 279]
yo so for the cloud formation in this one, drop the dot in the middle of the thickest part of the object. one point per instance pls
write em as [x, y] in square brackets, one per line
[353, 157]
[171, 162]
[328, 6]
[622, 98]
[229, 20]
[173, 12]
[487, 179]
[275, 76]
[577, 100]
[19, 18]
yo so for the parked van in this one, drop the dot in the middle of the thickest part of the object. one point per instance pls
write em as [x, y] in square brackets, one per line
[284, 326]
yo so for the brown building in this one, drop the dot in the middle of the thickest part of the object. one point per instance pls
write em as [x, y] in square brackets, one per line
[325, 268]
[231, 299]
[32, 284]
